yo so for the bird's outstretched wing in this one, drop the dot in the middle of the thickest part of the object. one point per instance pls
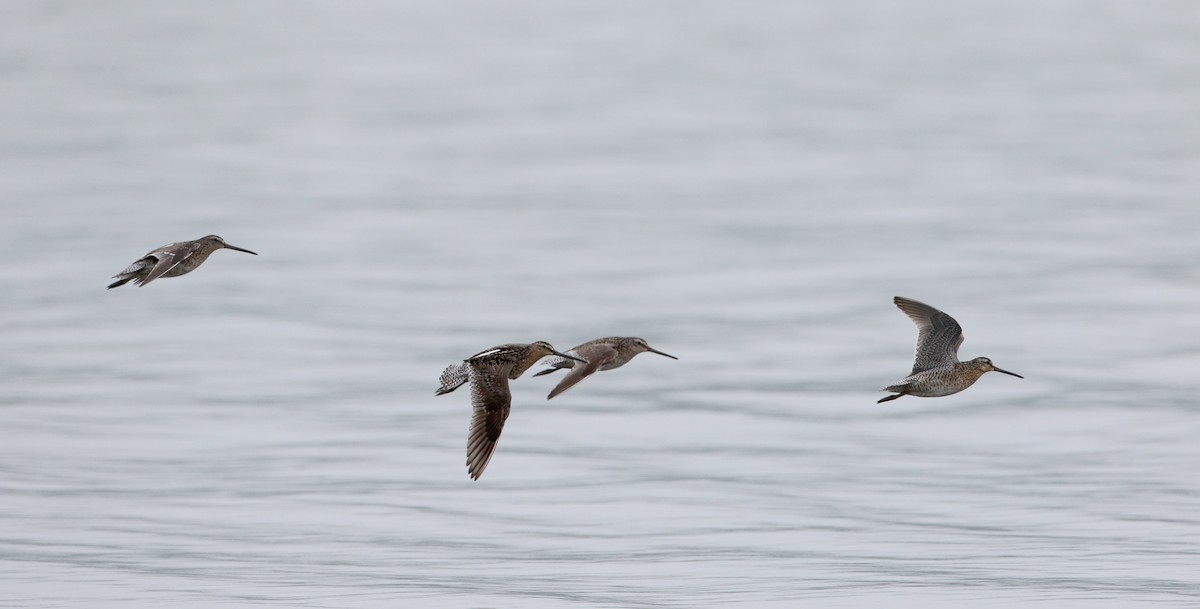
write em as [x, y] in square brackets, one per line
[597, 356]
[938, 335]
[491, 401]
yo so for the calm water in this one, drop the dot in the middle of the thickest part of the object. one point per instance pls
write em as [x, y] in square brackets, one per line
[745, 185]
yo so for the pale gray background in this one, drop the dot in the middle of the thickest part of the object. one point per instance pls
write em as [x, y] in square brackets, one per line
[745, 184]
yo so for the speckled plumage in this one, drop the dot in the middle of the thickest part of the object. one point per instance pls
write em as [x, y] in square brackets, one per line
[172, 260]
[489, 372]
[936, 370]
[602, 354]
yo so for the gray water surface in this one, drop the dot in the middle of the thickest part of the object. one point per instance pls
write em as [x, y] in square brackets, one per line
[746, 185]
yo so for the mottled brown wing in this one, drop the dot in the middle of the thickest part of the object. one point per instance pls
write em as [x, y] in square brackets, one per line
[168, 258]
[938, 335]
[491, 401]
[596, 355]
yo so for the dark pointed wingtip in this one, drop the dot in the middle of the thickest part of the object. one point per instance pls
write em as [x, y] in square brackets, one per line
[120, 281]
[889, 398]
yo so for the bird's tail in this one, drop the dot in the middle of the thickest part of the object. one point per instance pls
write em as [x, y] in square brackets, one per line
[900, 389]
[453, 377]
[556, 363]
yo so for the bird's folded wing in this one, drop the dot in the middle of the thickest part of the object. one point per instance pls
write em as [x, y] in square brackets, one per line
[167, 260]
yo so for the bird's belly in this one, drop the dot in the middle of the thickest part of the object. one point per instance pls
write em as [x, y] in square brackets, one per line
[937, 383]
[934, 391]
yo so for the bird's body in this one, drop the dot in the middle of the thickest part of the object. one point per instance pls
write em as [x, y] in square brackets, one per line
[938, 382]
[172, 260]
[602, 354]
[936, 370]
[488, 372]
